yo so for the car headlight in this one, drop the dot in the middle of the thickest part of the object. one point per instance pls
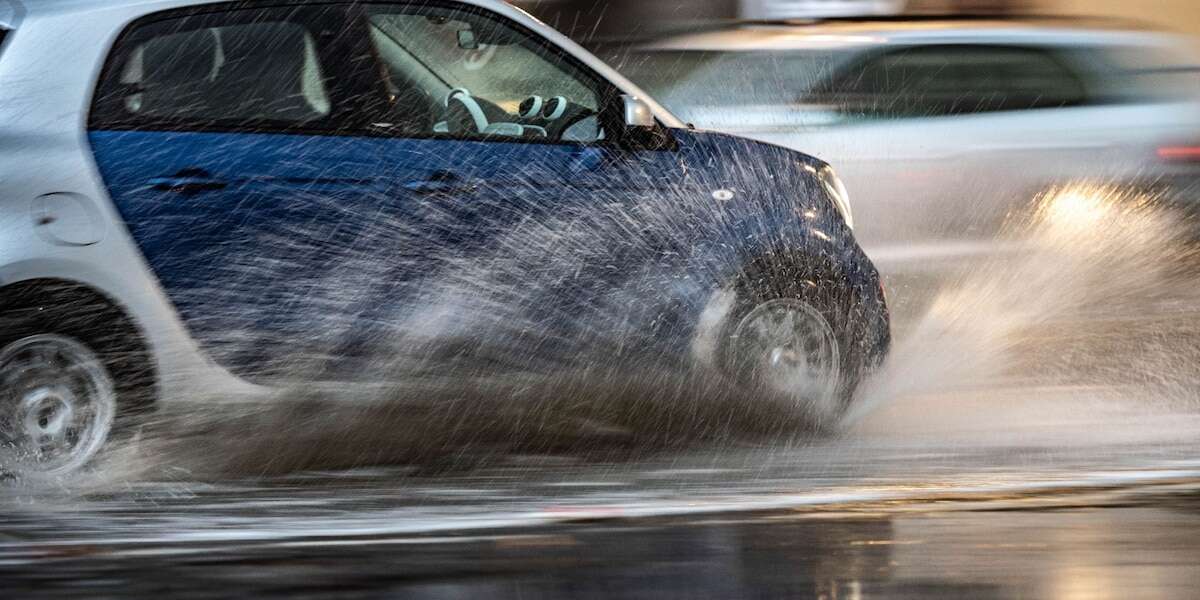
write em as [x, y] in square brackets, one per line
[837, 193]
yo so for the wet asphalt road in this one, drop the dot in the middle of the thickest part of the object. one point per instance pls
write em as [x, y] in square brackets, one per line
[1036, 517]
[1013, 489]
[1096, 546]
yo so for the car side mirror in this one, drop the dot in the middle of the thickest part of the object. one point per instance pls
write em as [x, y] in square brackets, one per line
[637, 112]
[642, 130]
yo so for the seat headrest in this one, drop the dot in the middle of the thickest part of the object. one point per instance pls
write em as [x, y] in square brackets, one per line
[275, 49]
[180, 58]
[263, 72]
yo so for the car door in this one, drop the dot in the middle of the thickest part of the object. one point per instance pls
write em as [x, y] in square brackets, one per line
[504, 115]
[297, 205]
[227, 142]
[515, 138]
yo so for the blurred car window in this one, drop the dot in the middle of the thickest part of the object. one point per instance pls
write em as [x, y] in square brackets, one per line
[829, 85]
[726, 78]
[249, 73]
[951, 80]
[1137, 73]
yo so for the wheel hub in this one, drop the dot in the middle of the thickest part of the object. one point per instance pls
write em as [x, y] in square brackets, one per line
[49, 416]
[56, 404]
[788, 345]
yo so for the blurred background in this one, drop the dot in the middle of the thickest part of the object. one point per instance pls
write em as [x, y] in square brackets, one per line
[605, 17]
[945, 119]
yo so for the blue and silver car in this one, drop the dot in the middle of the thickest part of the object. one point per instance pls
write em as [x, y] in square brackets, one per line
[217, 199]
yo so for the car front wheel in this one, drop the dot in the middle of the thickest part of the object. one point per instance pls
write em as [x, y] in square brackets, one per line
[788, 333]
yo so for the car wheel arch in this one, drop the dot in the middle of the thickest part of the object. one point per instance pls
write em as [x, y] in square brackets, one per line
[113, 328]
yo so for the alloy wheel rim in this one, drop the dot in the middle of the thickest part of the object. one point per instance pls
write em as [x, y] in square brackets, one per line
[789, 347]
[57, 405]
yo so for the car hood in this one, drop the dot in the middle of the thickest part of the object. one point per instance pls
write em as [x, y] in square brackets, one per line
[766, 173]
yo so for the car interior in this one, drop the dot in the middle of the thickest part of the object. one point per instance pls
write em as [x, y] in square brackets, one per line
[450, 72]
[459, 75]
[250, 72]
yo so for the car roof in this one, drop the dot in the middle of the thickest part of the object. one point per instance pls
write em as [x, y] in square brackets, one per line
[40, 7]
[849, 34]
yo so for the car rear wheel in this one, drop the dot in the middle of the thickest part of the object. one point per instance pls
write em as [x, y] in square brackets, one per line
[57, 404]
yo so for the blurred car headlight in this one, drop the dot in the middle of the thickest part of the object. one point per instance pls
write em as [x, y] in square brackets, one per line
[837, 193]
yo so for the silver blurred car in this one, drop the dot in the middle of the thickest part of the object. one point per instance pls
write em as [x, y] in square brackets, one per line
[940, 127]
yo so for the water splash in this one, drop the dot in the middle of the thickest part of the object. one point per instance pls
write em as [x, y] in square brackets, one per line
[474, 379]
[1084, 252]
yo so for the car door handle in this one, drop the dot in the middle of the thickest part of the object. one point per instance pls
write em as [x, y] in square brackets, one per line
[442, 182]
[188, 182]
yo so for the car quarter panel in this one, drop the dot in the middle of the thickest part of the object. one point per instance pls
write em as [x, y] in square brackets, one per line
[47, 72]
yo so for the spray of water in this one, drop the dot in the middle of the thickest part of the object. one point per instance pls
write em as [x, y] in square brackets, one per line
[467, 374]
[1083, 253]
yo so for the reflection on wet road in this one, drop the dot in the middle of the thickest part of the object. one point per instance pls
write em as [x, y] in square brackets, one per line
[1100, 546]
[846, 519]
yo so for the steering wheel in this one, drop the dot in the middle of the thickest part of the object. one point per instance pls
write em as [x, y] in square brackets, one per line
[463, 112]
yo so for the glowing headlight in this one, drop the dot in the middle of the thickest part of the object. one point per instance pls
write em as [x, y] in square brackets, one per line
[837, 193]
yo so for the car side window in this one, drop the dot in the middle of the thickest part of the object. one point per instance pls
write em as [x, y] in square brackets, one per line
[954, 80]
[724, 77]
[464, 72]
[258, 69]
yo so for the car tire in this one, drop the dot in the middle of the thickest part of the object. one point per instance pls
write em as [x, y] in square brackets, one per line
[790, 332]
[68, 388]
